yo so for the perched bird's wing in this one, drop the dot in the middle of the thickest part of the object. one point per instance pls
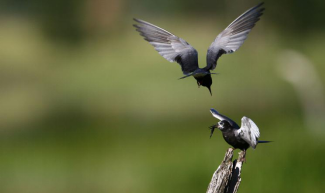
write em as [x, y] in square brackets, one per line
[169, 46]
[249, 132]
[221, 117]
[231, 38]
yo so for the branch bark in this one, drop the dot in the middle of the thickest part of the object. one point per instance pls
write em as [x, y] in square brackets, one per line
[226, 179]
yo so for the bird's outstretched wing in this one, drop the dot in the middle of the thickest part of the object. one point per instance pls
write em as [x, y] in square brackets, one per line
[169, 46]
[231, 38]
[249, 132]
[221, 117]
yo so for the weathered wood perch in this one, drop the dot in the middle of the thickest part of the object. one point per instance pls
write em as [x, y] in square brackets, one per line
[226, 178]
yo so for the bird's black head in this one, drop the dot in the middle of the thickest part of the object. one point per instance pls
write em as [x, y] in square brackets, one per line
[224, 126]
[205, 81]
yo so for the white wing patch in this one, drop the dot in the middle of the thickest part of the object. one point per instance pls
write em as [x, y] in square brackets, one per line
[249, 132]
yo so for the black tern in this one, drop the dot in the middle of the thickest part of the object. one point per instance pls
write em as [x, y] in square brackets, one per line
[239, 137]
[173, 48]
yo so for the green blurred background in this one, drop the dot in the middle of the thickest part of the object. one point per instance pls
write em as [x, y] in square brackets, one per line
[88, 106]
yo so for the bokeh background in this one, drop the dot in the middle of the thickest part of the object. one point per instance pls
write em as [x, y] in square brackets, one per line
[86, 105]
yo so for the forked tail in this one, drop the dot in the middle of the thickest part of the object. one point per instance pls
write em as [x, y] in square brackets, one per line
[264, 141]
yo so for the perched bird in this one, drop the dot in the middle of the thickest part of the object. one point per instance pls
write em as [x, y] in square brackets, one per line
[239, 137]
[173, 48]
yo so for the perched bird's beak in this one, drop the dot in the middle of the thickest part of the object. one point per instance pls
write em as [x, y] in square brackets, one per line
[210, 90]
[219, 127]
[212, 129]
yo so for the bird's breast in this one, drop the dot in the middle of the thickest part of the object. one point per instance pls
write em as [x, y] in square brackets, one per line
[235, 141]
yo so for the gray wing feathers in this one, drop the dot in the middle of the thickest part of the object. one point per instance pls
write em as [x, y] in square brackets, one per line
[229, 40]
[249, 132]
[169, 46]
[221, 117]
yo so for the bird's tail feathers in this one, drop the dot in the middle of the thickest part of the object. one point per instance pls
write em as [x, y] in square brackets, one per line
[264, 141]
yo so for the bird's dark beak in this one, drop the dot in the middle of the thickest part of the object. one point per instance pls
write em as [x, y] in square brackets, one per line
[210, 90]
[212, 129]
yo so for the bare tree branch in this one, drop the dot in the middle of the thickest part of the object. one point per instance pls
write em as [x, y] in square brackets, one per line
[226, 179]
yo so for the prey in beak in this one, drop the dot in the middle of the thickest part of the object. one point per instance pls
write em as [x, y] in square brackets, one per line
[212, 129]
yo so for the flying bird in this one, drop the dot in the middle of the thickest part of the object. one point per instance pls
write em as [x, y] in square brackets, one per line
[174, 48]
[239, 137]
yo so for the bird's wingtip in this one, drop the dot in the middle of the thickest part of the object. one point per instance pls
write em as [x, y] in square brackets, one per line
[212, 110]
[186, 75]
[139, 20]
[260, 4]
